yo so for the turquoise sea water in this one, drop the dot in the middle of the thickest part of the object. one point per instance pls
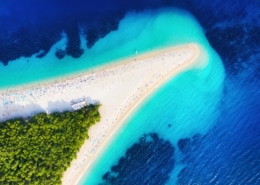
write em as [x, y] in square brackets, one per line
[184, 107]
[191, 128]
[138, 31]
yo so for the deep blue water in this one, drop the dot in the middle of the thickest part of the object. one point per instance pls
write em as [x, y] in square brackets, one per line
[229, 153]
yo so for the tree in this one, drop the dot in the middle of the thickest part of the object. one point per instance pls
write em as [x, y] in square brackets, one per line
[39, 150]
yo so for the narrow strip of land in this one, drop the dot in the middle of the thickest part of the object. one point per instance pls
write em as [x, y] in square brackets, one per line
[119, 88]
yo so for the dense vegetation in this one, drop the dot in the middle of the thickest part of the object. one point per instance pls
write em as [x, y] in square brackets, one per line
[40, 149]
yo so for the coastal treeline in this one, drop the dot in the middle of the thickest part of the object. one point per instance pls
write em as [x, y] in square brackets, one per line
[40, 149]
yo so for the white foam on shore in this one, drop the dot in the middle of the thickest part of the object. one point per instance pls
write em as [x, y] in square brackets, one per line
[119, 88]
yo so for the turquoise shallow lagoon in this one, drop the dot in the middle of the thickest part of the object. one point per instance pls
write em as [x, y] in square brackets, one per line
[196, 129]
[140, 32]
[184, 107]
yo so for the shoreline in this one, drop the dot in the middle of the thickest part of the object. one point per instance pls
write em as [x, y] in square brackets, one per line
[98, 67]
[131, 111]
[135, 79]
[103, 145]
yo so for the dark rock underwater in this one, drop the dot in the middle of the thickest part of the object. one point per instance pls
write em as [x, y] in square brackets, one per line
[149, 161]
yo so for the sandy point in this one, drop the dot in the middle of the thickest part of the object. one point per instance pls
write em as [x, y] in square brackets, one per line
[120, 88]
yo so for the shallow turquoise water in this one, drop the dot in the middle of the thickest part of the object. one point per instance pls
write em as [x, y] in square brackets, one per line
[228, 152]
[187, 105]
[142, 32]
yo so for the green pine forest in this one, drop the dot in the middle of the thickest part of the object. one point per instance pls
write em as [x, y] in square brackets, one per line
[38, 150]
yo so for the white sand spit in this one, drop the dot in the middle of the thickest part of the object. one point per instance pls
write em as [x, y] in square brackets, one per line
[120, 88]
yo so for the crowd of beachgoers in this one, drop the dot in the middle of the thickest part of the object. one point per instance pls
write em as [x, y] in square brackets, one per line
[131, 81]
[34, 93]
[127, 105]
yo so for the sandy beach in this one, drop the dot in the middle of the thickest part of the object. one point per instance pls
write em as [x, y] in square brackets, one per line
[120, 88]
